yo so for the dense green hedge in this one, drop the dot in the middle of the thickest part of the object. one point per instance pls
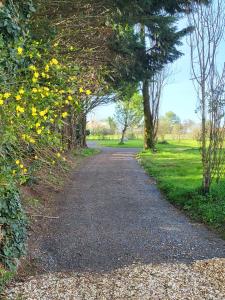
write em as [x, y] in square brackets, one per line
[13, 226]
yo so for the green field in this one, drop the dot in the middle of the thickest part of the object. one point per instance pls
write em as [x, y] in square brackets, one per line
[115, 143]
[177, 168]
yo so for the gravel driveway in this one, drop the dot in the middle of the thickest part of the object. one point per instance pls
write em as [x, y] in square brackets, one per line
[118, 238]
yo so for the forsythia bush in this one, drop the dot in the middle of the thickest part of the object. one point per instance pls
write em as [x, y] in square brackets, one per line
[38, 97]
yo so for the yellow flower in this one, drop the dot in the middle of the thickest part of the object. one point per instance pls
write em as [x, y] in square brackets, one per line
[21, 166]
[37, 125]
[54, 61]
[81, 90]
[43, 74]
[65, 114]
[88, 92]
[34, 90]
[66, 101]
[32, 68]
[25, 170]
[7, 95]
[47, 68]
[17, 161]
[21, 91]
[1, 102]
[20, 50]
[18, 97]
[52, 121]
[14, 172]
[70, 98]
[43, 112]
[53, 162]
[20, 109]
[34, 80]
[34, 111]
[39, 131]
[58, 155]
[32, 141]
[36, 74]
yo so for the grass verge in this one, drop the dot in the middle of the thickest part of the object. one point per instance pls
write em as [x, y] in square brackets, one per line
[177, 168]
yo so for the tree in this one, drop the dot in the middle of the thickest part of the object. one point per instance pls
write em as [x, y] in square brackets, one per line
[112, 125]
[208, 22]
[168, 124]
[129, 112]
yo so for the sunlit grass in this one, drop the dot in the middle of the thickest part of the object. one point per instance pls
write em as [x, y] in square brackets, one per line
[178, 170]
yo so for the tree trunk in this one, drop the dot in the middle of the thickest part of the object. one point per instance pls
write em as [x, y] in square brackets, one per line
[123, 134]
[206, 181]
[83, 133]
[149, 142]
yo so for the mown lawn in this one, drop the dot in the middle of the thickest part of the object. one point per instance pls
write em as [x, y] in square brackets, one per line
[127, 144]
[177, 168]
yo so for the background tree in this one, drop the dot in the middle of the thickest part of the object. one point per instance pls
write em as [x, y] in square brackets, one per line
[112, 125]
[129, 112]
[208, 22]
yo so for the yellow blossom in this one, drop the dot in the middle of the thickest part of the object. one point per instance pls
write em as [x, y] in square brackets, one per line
[43, 112]
[39, 131]
[20, 109]
[32, 68]
[1, 102]
[18, 97]
[47, 68]
[36, 74]
[34, 90]
[21, 166]
[21, 91]
[34, 111]
[58, 155]
[17, 161]
[70, 98]
[32, 141]
[34, 80]
[65, 114]
[7, 95]
[88, 92]
[37, 125]
[81, 90]
[20, 50]
[14, 172]
[54, 61]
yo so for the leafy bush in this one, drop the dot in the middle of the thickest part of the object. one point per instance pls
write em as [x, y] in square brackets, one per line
[13, 226]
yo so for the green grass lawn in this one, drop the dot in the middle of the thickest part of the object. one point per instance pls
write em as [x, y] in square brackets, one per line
[115, 143]
[177, 168]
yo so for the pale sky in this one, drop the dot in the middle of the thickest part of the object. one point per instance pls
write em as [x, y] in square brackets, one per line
[179, 95]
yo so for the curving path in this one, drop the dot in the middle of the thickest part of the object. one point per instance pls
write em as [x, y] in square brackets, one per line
[113, 216]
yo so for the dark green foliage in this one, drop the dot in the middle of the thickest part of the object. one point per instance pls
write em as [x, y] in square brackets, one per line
[13, 226]
[13, 18]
